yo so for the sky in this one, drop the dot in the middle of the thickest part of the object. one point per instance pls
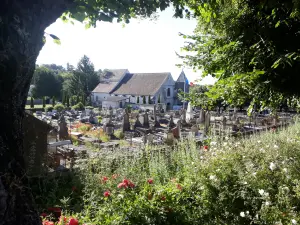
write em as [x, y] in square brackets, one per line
[141, 46]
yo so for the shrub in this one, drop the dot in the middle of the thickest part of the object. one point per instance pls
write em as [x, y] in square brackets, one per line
[78, 106]
[48, 108]
[119, 134]
[104, 137]
[59, 107]
[89, 107]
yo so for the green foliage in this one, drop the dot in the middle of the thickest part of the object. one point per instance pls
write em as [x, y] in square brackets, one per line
[119, 134]
[77, 99]
[241, 44]
[254, 181]
[48, 108]
[59, 107]
[144, 99]
[78, 106]
[46, 83]
[31, 103]
[53, 101]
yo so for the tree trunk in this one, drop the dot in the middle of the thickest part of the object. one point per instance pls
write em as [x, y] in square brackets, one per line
[22, 25]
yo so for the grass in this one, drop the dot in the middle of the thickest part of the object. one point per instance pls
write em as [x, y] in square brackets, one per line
[234, 181]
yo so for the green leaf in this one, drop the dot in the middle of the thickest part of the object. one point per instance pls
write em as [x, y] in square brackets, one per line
[87, 26]
[54, 37]
[80, 16]
[57, 41]
[277, 24]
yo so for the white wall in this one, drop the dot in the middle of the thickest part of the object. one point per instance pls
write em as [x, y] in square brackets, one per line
[101, 97]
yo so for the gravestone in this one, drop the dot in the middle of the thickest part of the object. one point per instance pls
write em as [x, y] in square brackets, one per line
[201, 118]
[62, 129]
[137, 122]
[194, 129]
[156, 123]
[171, 123]
[126, 123]
[224, 120]
[189, 113]
[146, 120]
[183, 116]
[150, 138]
[207, 122]
[177, 130]
[109, 127]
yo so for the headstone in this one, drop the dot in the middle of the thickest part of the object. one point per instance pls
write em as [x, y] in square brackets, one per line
[146, 120]
[150, 138]
[194, 129]
[62, 128]
[224, 120]
[207, 122]
[183, 116]
[201, 118]
[177, 130]
[137, 122]
[109, 127]
[189, 113]
[156, 123]
[126, 123]
[171, 123]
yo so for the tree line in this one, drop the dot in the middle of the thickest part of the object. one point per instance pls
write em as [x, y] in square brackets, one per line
[69, 85]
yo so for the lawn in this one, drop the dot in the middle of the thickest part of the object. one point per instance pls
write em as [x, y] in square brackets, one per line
[233, 181]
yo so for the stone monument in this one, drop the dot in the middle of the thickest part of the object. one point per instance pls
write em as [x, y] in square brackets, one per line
[62, 128]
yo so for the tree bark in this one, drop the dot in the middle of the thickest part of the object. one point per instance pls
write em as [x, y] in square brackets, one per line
[22, 25]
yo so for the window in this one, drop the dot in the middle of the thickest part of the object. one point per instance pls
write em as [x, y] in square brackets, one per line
[97, 98]
[168, 92]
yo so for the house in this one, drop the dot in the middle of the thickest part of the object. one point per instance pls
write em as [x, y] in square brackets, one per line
[181, 84]
[119, 87]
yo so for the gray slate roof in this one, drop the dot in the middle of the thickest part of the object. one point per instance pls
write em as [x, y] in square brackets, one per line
[182, 78]
[105, 87]
[113, 75]
[141, 83]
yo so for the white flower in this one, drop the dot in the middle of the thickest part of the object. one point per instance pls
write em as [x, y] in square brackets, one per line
[120, 196]
[225, 143]
[213, 143]
[268, 203]
[212, 177]
[266, 194]
[284, 170]
[294, 221]
[245, 182]
[242, 214]
[262, 150]
[192, 163]
[254, 174]
[275, 146]
[261, 191]
[247, 212]
[226, 138]
[258, 141]
[272, 166]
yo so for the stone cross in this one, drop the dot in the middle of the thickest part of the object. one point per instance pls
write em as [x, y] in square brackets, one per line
[62, 129]
[146, 120]
[126, 123]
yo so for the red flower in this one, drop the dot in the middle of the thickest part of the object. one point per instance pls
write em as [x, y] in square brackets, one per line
[106, 194]
[191, 84]
[205, 147]
[104, 179]
[47, 222]
[73, 221]
[44, 215]
[55, 210]
[163, 198]
[74, 188]
[63, 220]
[122, 185]
[150, 181]
[178, 186]
[125, 181]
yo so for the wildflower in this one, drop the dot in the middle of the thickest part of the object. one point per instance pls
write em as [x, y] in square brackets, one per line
[122, 185]
[242, 214]
[205, 148]
[267, 203]
[73, 221]
[247, 212]
[163, 198]
[132, 185]
[74, 188]
[44, 215]
[47, 222]
[261, 191]
[150, 181]
[275, 146]
[245, 182]
[272, 166]
[213, 143]
[258, 141]
[104, 179]
[63, 220]
[106, 194]
[120, 196]
[179, 187]
[212, 177]
[294, 221]
[125, 181]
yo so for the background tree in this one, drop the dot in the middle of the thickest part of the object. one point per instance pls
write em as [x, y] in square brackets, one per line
[22, 27]
[251, 47]
[46, 83]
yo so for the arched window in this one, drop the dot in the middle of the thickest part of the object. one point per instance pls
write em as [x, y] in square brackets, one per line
[169, 92]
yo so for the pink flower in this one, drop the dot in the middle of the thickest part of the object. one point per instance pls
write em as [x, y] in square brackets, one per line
[106, 194]
[63, 220]
[73, 221]
[47, 222]
[122, 185]
[150, 181]
[179, 187]
[104, 179]
[191, 84]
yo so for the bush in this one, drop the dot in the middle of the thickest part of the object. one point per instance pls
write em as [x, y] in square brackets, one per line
[59, 107]
[89, 107]
[48, 108]
[119, 134]
[78, 106]
[237, 181]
